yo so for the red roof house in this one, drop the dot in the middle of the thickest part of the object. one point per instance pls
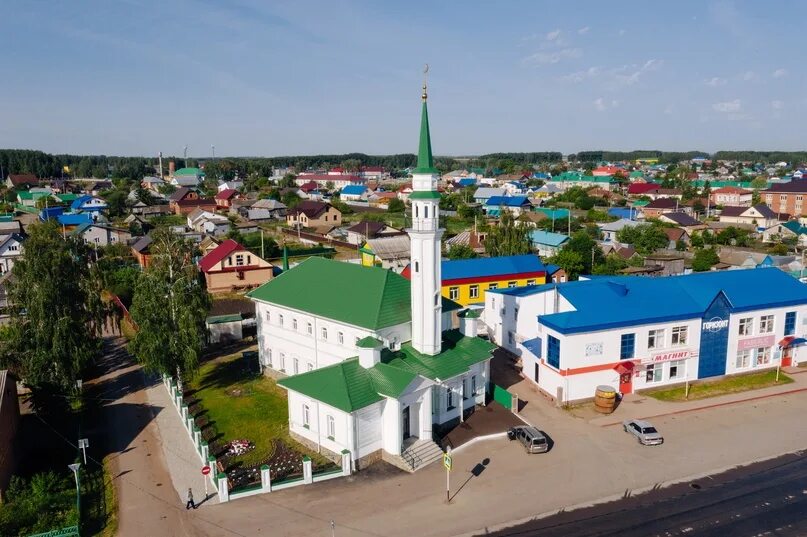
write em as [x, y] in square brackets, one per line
[230, 266]
[225, 197]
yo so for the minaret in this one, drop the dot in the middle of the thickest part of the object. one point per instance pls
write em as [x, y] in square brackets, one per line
[425, 235]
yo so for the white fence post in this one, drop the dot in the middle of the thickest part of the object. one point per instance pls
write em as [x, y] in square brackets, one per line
[183, 410]
[346, 466]
[204, 452]
[308, 475]
[266, 479]
[224, 489]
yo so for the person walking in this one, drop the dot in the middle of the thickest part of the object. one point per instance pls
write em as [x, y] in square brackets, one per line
[190, 500]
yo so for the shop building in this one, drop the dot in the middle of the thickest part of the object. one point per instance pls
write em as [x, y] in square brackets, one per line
[637, 333]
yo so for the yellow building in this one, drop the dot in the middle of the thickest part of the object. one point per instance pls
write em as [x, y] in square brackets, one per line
[466, 280]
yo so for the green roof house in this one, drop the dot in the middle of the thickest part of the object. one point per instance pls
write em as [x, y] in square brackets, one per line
[369, 358]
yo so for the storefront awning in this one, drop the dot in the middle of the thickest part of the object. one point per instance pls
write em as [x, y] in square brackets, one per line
[791, 341]
[624, 367]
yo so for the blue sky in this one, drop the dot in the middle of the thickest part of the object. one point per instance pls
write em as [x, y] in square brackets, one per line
[254, 77]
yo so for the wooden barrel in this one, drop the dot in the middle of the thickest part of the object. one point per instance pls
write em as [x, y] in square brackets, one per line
[604, 399]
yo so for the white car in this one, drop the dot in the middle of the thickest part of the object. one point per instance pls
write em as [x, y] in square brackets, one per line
[645, 433]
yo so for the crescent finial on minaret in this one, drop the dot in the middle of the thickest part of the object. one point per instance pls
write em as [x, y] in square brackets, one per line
[425, 80]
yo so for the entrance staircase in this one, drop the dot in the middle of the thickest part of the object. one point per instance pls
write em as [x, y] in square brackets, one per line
[415, 456]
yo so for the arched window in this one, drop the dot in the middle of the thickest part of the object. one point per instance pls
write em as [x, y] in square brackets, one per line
[331, 427]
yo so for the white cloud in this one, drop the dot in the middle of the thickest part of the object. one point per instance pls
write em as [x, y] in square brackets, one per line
[779, 73]
[584, 30]
[777, 105]
[727, 106]
[715, 81]
[601, 105]
[554, 34]
[749, 75]
[615, 77]
[580, 76]
[553, 56]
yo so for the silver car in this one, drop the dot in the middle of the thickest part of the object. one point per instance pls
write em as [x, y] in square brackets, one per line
[531, 438]
[644, 432]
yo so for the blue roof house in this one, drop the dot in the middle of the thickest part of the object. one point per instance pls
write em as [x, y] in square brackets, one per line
[515, 204]
[547, 243]
[88, 203]
[354, 193]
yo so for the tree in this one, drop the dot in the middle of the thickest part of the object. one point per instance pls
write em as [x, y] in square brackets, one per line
[613, 264]
[508, 238]
[646, 238]
[590, 254]
[287, 181]
[570, 261]
[57, 313]
[704, 259]
[396, 206]
[460, 251]
[169, 309]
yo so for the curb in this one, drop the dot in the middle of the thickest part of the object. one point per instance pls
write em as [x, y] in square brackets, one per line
[715, 405]
[619, 496]
[476, 439]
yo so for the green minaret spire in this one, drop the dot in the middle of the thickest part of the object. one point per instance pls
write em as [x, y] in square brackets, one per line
[425, 160]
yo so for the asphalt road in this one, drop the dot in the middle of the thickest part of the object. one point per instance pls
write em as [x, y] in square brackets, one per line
[767, 498]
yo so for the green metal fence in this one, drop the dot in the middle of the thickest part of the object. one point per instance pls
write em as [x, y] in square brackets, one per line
[502, 396]
[70, 531]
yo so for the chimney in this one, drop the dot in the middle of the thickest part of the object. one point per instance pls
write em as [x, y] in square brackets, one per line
[469, 321]
[172, 167]
[369, 351]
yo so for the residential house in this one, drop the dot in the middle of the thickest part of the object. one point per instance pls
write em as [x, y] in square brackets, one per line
[354, 193]
[760, 216]
[360, 232]
[309, 190]
[373, 172]
[314, 214]
[381, 199]
[231, 266]
[22, 181]
[683, 220]
[8, 225]
[675, 234]
[483, 194]
[208, 244]
[186, 206]
[660, 206]
[247, 227]
[323, 181]
[642, 189]
[465, 182]
[392, 252]
[152, 183]
[183, 193]
[787, 197]
[27, 198]
[513, 188]
[224, 198]
[10, 251]
[569, 179]
[665, 264]
[514, 204]
[470, 238]
[404, 192]
[141, 225]
[547, 243]
[793, 228]
[547, 190]
[88, 203]
[187, 177]
[610, 229]
[142, 251]
[731, 196]
[232, 184]
[671, 193]
[465, 281]
[261, 210]
[207, 222]
[96, 187]
[9, 427]
[101, 234]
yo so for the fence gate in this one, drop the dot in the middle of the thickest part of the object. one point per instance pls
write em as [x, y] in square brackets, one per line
[502, 396]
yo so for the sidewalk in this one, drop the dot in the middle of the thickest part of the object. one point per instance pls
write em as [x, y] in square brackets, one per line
[183, 463]
[540, 408]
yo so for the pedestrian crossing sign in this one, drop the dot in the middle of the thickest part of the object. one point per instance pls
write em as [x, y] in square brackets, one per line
[447, 461]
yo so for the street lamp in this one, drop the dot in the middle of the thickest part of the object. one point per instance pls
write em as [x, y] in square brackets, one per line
[75, 466]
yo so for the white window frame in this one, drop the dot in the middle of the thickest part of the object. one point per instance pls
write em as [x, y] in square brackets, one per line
[654, 373]
[330, 427]
[679, 335]
[309, 366]
[453, 293]
[280, 320]
[296, 365]
[310, 329]
[677, 366]
[282, 363]
[657, 338]
[306, 416]
[746, 326]
[294, 323]
[323, 333]
[763, 355]
[340, 338]
[743, 359]
[766, 324]
[473, 291]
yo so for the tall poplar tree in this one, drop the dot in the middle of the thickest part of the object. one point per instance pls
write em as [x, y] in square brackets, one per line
[169, 307]
[57, 314]
[508, 238]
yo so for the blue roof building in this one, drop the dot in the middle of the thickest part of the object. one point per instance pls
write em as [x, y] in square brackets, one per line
[635, 332]
[353, 190]
[466, 181]
[88, 203]
[514, 204]
[547, 243]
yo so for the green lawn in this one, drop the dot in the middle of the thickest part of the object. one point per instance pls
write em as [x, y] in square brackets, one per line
[733, 384]
[242, 405]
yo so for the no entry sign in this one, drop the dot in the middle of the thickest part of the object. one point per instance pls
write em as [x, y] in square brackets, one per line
[205, 470]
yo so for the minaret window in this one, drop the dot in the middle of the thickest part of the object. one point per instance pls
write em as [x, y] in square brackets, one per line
[426, 211]
[417, 267]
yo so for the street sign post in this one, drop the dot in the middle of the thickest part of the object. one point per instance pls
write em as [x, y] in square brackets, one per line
[205, 472]
[84, 443]
[447, 463]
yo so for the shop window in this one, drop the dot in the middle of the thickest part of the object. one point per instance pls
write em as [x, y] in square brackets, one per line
[743, 359]
[553, 351]
[654, 373]
[763, 356]
[790, 323]
[627, 348]
[676, 369]
[679, 335]
[766, 324]
[655, 339]
[746, 326]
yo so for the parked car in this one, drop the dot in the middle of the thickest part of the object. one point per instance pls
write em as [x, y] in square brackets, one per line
[531, 438]
[645, 433]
